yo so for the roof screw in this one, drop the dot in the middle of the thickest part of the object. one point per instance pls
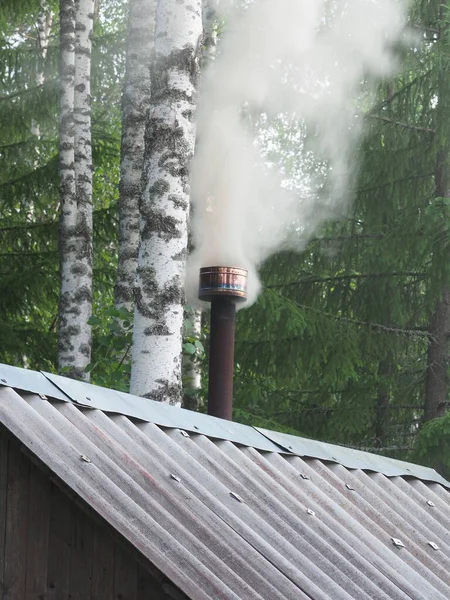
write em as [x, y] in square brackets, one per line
[236, 497]
[85, 458]
[349, 487]
[290, 448]
[433, 545]
[88, 399]
[334, 458]
[430, 503]
[175, 477]
[398, 542]
[3, 380]
[311, 512]
[408, 469]
[196, 427]
[304, 476]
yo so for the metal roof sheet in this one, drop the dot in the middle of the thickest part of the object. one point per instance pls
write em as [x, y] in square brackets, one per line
[351, 458]
[228, 520]
[111, 401]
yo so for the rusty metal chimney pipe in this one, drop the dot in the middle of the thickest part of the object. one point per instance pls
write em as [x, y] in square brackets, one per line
[223, 287]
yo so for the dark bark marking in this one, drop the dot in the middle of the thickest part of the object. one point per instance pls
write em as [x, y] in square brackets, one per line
[85, 349]
[159, 188]
[178, 201]
[171, 392]
[83, 294]
[157, 329]
[164, 226]
[159, 300]
[79, 269]
[179, 255]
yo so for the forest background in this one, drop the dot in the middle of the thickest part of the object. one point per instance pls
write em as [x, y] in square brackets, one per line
[349, 340]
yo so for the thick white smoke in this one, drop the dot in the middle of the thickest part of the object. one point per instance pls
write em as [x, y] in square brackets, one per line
[304, 62]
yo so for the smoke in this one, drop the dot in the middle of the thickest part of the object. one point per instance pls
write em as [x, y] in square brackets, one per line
[290, 78]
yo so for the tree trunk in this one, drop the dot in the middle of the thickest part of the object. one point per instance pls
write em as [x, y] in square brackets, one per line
[439, 325]
[135, 104]
[437, 359]
[383, 400]
[192, 373]
[164, 206]
[74, 343]
[44, 22]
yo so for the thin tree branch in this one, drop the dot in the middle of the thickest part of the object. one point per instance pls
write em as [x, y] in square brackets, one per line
[313, 279]
[394, 181]
[401, 124]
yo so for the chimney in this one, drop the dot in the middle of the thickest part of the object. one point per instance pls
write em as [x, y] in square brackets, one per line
[224, 287]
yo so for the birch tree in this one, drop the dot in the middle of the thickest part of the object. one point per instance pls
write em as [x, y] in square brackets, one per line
[44, 24]
[135, 104]
[75, 309]
[164, 206]
[192, 372]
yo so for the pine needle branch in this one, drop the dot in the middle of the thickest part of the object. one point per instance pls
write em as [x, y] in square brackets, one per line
[401, 124]
[314, 279]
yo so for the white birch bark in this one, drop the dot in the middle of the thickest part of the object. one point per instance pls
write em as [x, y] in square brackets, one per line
[44, 24]
[192, 372]
[74, 343]
[164, 208]
[135, 104]
[45, 20]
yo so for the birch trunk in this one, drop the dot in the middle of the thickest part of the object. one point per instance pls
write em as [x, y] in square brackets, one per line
[135, 104]
[44, 23]
[164, 207]
[192, 372]
[45, 20]
[75, 309]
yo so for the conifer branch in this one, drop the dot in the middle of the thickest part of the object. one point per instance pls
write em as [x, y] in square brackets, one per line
[28, 90]
[414, 332]
[401, 124]
[394, 181]
[399, 92]
[313, 279]
[35, 254]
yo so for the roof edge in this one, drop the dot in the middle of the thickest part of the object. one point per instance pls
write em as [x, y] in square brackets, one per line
[164, 415]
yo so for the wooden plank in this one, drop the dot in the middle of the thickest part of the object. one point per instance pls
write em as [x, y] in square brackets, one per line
[38, 530]
[125, 575]
[16, 524]
[58, 568]
[148, 588]
[3, 496]
[81, 555]
[102, 585]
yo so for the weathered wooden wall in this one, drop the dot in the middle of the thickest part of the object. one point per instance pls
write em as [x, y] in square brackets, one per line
[51, 548]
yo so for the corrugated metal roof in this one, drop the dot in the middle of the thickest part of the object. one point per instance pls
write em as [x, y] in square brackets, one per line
[111, 401]
[225, 521]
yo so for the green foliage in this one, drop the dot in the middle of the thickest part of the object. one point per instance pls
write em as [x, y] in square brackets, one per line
[112, 333]
[337, 344]
[29, 182]
[433, 445]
